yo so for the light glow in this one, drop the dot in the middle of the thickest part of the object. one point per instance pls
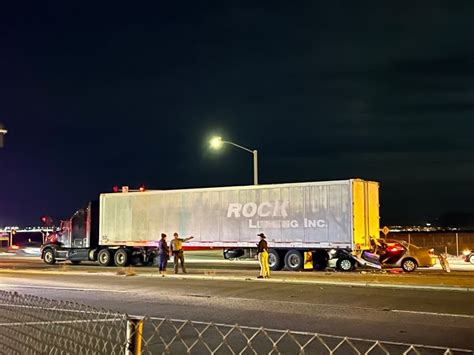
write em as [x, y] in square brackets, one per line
[216, 142]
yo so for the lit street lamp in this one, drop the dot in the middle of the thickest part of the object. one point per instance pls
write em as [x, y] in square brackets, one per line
[217, 142]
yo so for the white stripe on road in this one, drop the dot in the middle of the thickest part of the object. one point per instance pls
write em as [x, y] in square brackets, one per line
[61, 288]
[357, 307]
[434, 313]
[58, 322]
[57, 309]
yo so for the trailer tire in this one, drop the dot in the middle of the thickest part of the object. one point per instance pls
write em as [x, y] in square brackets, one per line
[121, 257]
[294, 260]
[104, 257]
[48, 257]
[345, 264]
[274, 260]
[151, 261]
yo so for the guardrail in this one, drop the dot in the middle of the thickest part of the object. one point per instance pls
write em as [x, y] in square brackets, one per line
[34, 325]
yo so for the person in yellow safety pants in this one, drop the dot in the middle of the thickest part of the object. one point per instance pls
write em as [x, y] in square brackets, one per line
[262, 252]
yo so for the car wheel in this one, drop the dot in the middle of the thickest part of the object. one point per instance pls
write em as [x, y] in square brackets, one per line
[409, 265]
[345, 264]
[471, 259]
[104, 257]
[49, 257]
[294, 260]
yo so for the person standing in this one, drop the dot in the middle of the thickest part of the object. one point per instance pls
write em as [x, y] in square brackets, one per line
[177, 250]
[262, 252]
[164, 254]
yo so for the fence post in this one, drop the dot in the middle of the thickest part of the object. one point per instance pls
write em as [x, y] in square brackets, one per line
[134, 335]
[457, 244]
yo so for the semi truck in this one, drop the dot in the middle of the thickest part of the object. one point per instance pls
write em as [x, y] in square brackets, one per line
[310, 221]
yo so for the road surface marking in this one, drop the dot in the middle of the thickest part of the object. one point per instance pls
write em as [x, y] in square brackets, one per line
[434, 313]
[62, 288]
[56, 309]
[20, 324]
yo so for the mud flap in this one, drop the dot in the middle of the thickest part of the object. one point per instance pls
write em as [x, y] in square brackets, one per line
[308, 260]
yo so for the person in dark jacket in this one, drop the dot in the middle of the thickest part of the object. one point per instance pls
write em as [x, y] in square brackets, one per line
[164, 254]
[262, 252]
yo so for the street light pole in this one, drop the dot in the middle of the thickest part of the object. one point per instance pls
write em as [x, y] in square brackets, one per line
[217, 142]
[255, 167]
[3, 131]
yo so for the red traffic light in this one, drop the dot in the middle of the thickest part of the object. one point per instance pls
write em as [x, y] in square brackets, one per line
[44, 219]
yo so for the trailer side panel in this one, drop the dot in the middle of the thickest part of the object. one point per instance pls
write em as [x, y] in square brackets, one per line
[292, 215]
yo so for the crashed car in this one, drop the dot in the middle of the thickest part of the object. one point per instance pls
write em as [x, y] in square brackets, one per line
[400, 254]
[469, 256]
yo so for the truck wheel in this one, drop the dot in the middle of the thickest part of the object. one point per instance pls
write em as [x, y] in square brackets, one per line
[48, 257]
[104, 258]
[92, 255]
[409, 265]
[345, 264]
[274, 260]
[121, 257]
[294, 260]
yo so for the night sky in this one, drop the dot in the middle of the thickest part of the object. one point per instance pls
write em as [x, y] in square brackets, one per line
[129, 94]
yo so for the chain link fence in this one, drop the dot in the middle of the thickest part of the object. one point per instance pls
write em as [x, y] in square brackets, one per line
[33, 325]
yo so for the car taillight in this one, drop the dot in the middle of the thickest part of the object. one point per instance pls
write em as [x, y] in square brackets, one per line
[15, 247]
[394, 248]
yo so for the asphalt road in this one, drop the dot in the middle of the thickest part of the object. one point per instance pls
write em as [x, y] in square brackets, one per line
[430, 317]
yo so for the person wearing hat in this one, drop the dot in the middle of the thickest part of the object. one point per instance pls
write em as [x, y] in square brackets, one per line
[164, 254]
[262, 252]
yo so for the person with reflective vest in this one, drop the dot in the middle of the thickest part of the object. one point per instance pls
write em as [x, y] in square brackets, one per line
[262, 252]
[176, 246]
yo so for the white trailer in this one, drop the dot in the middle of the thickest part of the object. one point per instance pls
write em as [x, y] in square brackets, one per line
[314, 219]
